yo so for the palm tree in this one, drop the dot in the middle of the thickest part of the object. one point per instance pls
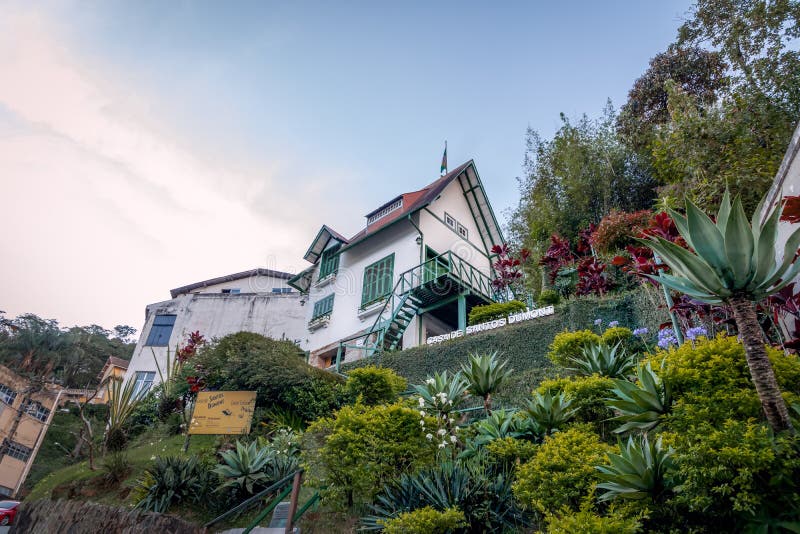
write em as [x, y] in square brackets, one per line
[734, 263]
[485, 374]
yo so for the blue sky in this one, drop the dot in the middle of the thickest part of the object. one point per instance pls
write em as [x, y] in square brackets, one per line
[176, 129]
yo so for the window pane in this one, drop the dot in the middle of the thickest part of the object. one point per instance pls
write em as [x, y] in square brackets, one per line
[161, 331]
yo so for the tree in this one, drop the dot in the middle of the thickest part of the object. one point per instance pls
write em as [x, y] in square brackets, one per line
[756, 38]
[734, 262]
[697, 72]
[125, 333]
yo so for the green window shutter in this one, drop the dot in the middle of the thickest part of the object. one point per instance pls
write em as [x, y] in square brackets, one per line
[378, 279]
[323, 307]
[329, 262]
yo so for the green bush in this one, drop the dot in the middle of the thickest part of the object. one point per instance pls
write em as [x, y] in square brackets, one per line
[510, 451]
[588, 394]
[525, 344]
[587, 520]
[274, 369]
[568, 345]
[562, 472]
[425, 520]
[617, 334]
[497, 310]
[362, 448]
[548, 297]
[171, 480]
[374, 385]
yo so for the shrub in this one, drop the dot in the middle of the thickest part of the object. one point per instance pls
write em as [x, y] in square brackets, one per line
[116, 468]
[427, 520]
[735, 472]
[617, 334]
[169, 480]
[509, 451]
[550, 412]
[314, 399]
[476, 488]
[374, 385]
[567, 345]
[618, 229]
[562, 472]
[361, 448]
[274, 369]
[588, 394]
[497, 310]
[243, 468]
[642, 471]
[548, 297]
[568, 521]
[603, 360]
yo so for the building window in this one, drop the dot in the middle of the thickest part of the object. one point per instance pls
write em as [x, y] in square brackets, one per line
[462, 231]
[231, 291]
[7, 394]
[329, 262]
[36, 410]
[378, 279]
[142, 382]
[161, 331]
[282, 290]
[323, 307]
[16, 450]
[394, 206]
[450, 221]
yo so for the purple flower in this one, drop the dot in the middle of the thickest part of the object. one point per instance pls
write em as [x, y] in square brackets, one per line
[695, 332]
[643, 331]
[613, 324]
[666, 338]
[598, 322]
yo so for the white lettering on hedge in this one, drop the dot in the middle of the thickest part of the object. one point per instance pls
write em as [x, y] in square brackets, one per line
[527, 315]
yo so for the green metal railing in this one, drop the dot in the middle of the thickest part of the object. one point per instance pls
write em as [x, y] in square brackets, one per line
[287, 484]
[445, 267]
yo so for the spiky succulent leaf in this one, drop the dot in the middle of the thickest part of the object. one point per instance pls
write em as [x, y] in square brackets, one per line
[641, 471]
[604, 360]
[642, 404]
[550, 412]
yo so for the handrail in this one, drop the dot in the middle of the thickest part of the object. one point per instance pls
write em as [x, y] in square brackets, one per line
[266, 511]
[258, 496]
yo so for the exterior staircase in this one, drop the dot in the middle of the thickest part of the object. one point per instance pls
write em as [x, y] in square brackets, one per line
[436, 280]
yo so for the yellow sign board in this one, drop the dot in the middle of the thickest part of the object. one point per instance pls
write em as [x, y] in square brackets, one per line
[223, 412]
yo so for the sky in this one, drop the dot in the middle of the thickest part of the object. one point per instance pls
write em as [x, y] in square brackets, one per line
[146, 145]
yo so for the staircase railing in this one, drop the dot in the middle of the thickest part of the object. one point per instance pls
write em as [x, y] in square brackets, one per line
[432, 270]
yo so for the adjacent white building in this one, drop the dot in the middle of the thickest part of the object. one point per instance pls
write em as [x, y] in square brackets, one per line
[421, 261]
[259, 300]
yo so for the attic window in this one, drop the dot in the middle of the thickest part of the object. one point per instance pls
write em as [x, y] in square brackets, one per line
[394, 206]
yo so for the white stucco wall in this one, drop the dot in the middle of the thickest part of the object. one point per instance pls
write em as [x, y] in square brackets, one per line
[216, 315]
[252, 284]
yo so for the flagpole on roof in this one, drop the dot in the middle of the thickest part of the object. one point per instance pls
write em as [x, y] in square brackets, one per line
[443, 170]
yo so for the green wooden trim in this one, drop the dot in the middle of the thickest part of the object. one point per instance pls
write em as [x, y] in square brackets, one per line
[462, 312]
[472, 211]
[311, 502]
[489, 205]
[323, 306]
[266, 511]
[441, 303]
[329, 261]
[484, 253]
[380, 284]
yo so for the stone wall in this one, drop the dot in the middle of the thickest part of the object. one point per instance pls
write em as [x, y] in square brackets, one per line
[80, 517]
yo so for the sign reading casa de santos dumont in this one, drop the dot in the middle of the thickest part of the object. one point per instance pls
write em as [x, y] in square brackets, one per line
[527, 315]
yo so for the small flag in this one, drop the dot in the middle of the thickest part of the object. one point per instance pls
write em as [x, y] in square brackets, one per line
[443, 170]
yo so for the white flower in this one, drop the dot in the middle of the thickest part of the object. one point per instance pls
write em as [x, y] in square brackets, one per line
[422, 413]
[430, 381]
[429, 436]
[421, 402]
[451, 420]
[442, 445]
[453, 439]
[422, 422]
[441, 431]
[153, 457]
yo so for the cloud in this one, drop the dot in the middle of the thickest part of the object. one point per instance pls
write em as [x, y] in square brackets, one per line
[104, 207]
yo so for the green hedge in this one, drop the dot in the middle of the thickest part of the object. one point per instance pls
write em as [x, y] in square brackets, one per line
[498, 310]
[525, 344]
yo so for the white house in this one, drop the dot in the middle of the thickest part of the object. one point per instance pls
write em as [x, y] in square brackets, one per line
[257, 301]
[422, 260]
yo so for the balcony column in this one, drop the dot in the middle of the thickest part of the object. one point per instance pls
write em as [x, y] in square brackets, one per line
[462, 312]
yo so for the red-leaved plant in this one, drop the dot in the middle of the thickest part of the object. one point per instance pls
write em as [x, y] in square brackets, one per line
[508, 268]
[592, 277]
[558, 255]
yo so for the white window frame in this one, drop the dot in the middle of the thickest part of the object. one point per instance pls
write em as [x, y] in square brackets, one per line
[394, 206]
[450, 221]
[462, 231]
[142, 382]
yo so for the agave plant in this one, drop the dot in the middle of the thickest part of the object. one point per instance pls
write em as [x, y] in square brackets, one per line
[604, 360]
[642, 404]
[244, 467]
[169, 480]
[734, 262]
[485, 374]
[642, 470]
[442, 392]
[550, 412]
